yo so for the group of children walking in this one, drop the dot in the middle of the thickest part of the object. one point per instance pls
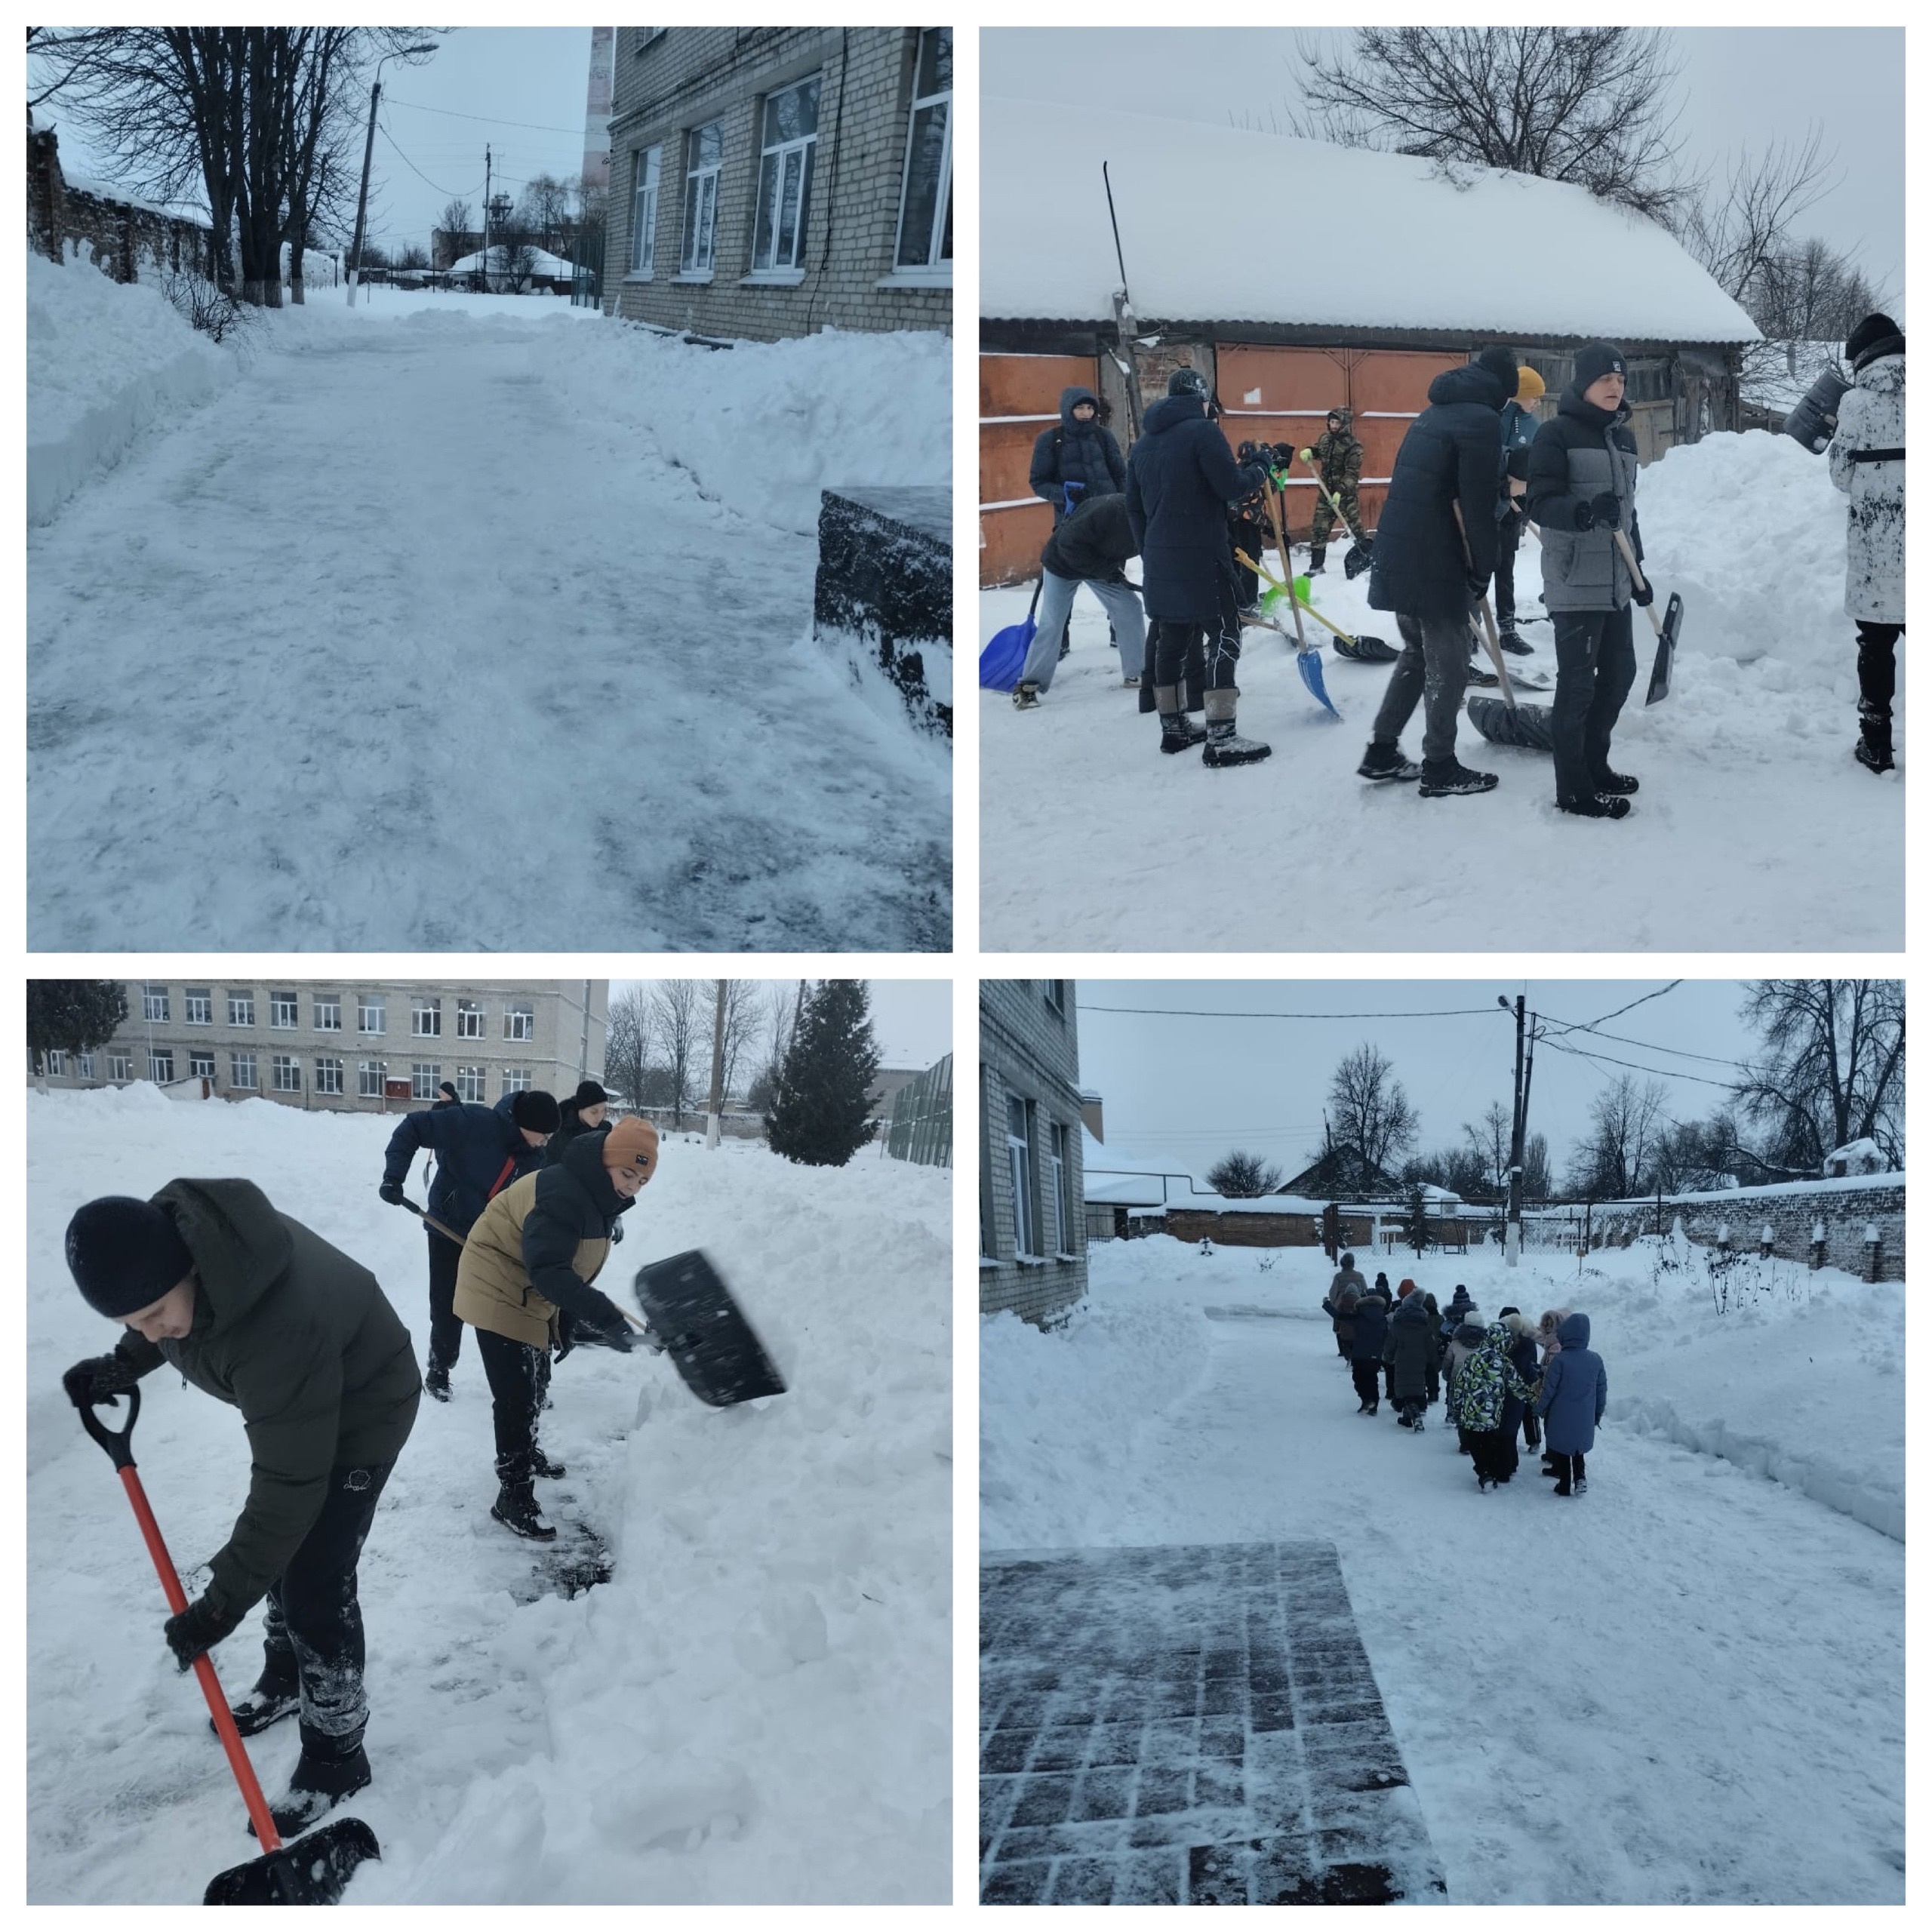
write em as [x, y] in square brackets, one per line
[1541, 1377]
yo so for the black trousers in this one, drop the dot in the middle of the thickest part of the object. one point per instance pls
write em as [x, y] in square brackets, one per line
[1532, 1429]
[1596, 664]
[1364, 1372]
[1570, 1470]
[312, 1632]
[1172, 637]
[1878, 666]
[445, 1330]
[1509, 535]
[1252, 535]
[519, 1375]
[1493, 1453]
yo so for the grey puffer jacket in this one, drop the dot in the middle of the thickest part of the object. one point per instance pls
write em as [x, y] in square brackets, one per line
[1582, 453]
[1872, 418]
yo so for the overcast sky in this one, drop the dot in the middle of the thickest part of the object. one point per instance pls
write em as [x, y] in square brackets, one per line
[911, 1019]
[1181, 1092]
[1740, 88]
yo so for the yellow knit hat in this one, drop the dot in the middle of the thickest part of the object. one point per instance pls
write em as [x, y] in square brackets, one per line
[1529, 384]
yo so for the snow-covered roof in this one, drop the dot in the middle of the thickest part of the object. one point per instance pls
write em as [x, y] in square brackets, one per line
[1215, 227]
[108, 191]
[542, 262]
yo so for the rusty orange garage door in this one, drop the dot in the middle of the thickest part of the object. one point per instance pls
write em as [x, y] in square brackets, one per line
[1019, 397]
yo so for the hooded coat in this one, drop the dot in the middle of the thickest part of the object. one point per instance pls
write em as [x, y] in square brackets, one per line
[1574, 1390]
[1344, 1291]
[1410, 1350]
[1084, 455]
[479, 1150]
[1488, 1381]
[1093, 544]
[1371, 1328]
[1451, 458]
[1872, 418]
[303, 1342]
[1181, 478]
[1337, 454]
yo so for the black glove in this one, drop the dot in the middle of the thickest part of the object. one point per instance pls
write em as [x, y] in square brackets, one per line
[198, 1628]
[1644, 594]
[392, 1191]
[566, 1333]
[1478, 587]
[617, 1227]
[1606, 513]
[99, 1379]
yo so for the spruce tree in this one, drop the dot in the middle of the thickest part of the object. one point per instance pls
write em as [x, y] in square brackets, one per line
[818, 1115]
[1415, 1223]
[72, 1016]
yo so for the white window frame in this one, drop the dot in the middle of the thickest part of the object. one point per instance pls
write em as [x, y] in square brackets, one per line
[285, 1073]
[935, 269]
[1020, 1174]
[470, 1020]
[471, 1083]
[285, 1012]
[241, 1009]
[154, 1003]
[120, 1063]
[243, 1074]
[647, 180]
[697, 244]
[519, 1022]
[161, 1065]
[369, 1080]
[56, 1062]
[327, 1010]
[774, 157]
[425, 1018]
[516, 1080]
[328, 1075]
[1060, 1155]
[371, 1006]
[200, 1062]
[83, 1066]
[423, 1079]
[198, 1006]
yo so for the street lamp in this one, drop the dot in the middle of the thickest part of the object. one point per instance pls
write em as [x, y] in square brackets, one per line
[368, 154]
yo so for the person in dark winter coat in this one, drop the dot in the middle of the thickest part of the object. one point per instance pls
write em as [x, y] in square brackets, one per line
[1526, 1360]
[1249, 529]
[253, 1308]
[1519, 432]
[1344, 1291]
[1436, 1342]
[1434, 549]
[1575, 1388]
[1181, 478]
[1867, 460]
[1371, 1334]
[1583, 497]
[524, 1284]
[1337, 455]
[582, 1113]
[479, 1150]
[1486, 1383]
[1079, 459]
[1091, 547]
[446, 1096]
[1409, 1353]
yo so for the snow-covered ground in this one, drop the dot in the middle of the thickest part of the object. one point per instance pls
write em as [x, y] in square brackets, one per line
[1755, 828]
[756, 1707]
[1685, 1686]
[464, 622]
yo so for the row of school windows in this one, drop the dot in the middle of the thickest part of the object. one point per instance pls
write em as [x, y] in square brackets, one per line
[285, 1073]
[788, 143]
[470, 1019]
[1042, 1191]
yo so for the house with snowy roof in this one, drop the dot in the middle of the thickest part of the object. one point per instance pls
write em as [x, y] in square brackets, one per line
[1434, 262]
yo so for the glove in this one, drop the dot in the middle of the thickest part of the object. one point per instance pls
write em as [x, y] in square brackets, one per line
[198, 1628]
[99, 1379]
[1606, 513]
[1478, 587]
[617, 1227]
[566, 1334]
[392, 1191]
[1643, 595]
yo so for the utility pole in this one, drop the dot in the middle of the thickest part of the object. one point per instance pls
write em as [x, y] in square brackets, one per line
[368, 155]
[1512, 1230]
[714, 1124]
[486, 214]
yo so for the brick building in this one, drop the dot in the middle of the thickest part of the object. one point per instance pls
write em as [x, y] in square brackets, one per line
[358, 1046]
[118, 233]
[1032, 1232]
[768, 182]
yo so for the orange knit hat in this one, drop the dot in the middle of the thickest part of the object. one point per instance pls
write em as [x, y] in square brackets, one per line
[1408, 1288]
[632, 1143]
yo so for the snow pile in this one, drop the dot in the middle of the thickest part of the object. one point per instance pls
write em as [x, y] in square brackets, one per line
[755, 1709]
[105, 359]
[763, 427]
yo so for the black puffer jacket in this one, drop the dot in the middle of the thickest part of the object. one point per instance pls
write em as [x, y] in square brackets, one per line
[1085, 453]
[1371, 1333]
[1094, 543]
[479, 1150]
[1181, 477]
[1452, 455]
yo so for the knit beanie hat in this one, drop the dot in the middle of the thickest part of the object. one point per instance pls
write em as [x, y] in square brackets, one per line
[125, 1254]
[447, 1091]
[1877, 335]
[1597, 360]
[1408, 1288]
[1529, 384]
[631, 1143]
[1501, 363]
[1187, 381]
[588, 1095]
[536, 1110]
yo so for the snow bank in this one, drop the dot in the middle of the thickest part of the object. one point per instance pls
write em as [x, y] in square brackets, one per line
[755, 1709]
[104, 360]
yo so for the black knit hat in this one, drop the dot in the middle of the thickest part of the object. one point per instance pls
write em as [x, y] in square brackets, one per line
[1595, 360]
[1501, 363]
[447, 1091]
[1187, 381]
[588, 1094]
[1877, 335]
[536, 1110]
[125, 1254]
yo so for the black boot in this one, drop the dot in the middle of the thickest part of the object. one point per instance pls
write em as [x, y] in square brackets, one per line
[1453, 780]
[1609, 784]
[1874, 749]
[1511, 639]
[515, 1508]
[540, 1464]
[436, 1382]
[1225, 746]
[329, 1770]
[1591, 806]
[1178, 731]
[277, 1694]
[1386, 761]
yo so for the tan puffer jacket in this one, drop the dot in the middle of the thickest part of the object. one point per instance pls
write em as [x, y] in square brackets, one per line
[493, 1288]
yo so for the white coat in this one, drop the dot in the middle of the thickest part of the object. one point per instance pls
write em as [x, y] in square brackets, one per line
[1872, 416]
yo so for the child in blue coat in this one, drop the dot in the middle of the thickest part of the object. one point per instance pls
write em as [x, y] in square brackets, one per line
[1574, 1390]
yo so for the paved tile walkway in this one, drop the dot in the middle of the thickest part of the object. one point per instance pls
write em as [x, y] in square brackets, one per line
[1193, 1726]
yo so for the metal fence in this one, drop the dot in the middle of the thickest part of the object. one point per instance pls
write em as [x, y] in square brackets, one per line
[921, 1130]
[587, 270]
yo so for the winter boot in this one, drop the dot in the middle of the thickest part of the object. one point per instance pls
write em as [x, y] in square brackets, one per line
[1224, 746]
[541, 1464]
[1591, 806]
[515, 1508]
[1609, 784]
[1131, 683]
[329, 1770]
[1384, 761]
[1873, 749]
[436, 1382]
[1582, 1485]
[277, 1694]
[1453, 780]
[1315, 562]
[1026, 697]
[1511, 639]
[1177, 730]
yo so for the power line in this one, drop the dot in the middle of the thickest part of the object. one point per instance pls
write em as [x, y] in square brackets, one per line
[490, 120]
[1580, 1025]
[1186, 1013]
[455, 194]
[1610, 1059]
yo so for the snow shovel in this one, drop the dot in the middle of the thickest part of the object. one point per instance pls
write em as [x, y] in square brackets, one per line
[1308, 657]
[1665, 626]
[430, 1221]
[1488, 619]
[1363, 650]
[1362, 552]
[1005, 657]
[317, 1867]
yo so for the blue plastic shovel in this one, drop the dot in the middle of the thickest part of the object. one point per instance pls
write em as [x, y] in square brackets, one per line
[1005, 657]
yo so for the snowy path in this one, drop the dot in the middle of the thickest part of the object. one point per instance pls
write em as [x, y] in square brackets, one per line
[391, 648]
[1684, 1687]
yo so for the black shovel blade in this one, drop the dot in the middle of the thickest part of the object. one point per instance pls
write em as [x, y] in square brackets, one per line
[314, 1870]
[1660, 666]
[1359, 559]
[1367, 650]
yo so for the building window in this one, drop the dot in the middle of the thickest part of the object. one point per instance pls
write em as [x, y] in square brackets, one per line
[83, 1066]
[286, 1072]
[282, 1015]
[57, 1061]
[704, 156]
[425, 1018]
[1062, 1179]
[1019, 1171]
[198, 1007]
[241, 1071]
[469, 1020]
[469, 1083]
[328, 1012]
[649, 163]
[328, 1076]
[1056, 995]
[516, 1080]
[154, 1002]
[120, 1064]
[371, 1015]
[785, 177]
[520, 1022]
[369, 1079]
[161, 1065]
[242, 1009]
[925, 205]
[200, 1066]
[423, 1079]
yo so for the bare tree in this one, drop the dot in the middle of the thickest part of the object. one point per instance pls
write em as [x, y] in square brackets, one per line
[1592, 105]
[544, 208]
[680, 1022]
[1372, 1112]
[1489, 1140]
[744, 1019]
[1536, 1168]
[1244, 1176]
[1740, 229]
[1832, 1069]
[627, 1044]
[1615, 1162]
[455, 218]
